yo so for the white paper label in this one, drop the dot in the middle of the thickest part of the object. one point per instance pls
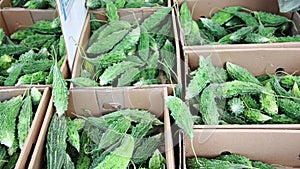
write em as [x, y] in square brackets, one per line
[73, 14]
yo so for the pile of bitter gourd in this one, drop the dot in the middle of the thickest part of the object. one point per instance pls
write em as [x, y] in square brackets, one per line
[232, 95]
[123, 53]
[236, 25]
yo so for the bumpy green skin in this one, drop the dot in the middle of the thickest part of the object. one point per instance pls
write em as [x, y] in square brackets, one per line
[93, 4]
[111, 11]
[250, 102]
[8, 113]
[229, 119]
[282, 119]
[255, 116]
[130, 40]
[287, 81]
[36, 96]
[25, 120]
[266, 31]
[153, 20]
[56, 142]
[241, 33]
[136, 116]
[195, 38]
[74, 127]
[146, 149]
[157, 161]
[114, 71]
[12, 50]
[140, 4]
[181, 114]
[22, 34]
[114, 133]
[256, 38]
[234, 88]
[18, 3]
[168, 56]
[14, 73]
[12, 161]
[37, 40]
[127, 77]
[268, 100]
[103, 46]
[108, 29]
[236, 158]
[279, 89]
[199, 81]
[141, 129]
[120, 157]
[261, 165]
[60, 91]
[46, 27]
[217, 30]
[185, 19]
[225, 14]
[83, 82]
[247, 18]
[295, 38]
[95, 24]
[68, 164]
[144, 43]
[3, 156]
[236, 106]
[295, 90]
[34, 78]
[289, 108]
[211, 163]
[84, 160]
[208, 106]
[6, 61]
[38, 65]
[268, 19]
[163, 33]
[240, 73]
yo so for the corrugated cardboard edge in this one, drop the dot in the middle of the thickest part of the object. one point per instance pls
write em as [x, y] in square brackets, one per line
[286, 58]
[34, 129]
[256, 144]
[169, 147]
[86, 35]
[255, 4]
[36, 161]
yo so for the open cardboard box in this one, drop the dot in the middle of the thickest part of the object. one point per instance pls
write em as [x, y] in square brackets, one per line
[258, 61]
[129, 15]
[278, 147]
[14, 19]
[31, 139]
[206, 8]
[89, 102]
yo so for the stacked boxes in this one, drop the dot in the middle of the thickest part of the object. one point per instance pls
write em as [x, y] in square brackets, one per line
[271, 143]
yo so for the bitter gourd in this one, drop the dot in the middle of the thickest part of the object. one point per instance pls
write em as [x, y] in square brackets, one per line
[268, 101]
[25, 119]
[240, 73]
[289, 107]
[156, 18]
[208, 106]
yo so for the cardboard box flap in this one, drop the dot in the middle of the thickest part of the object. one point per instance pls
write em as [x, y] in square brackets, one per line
[271, 146]
[91, 102]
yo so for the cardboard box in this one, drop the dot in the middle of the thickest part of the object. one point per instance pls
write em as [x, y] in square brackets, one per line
[89, 102]
[278, 147]
[31, 139]
[126, 14]
[14, 19]
[257, 61]
[206, 8]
